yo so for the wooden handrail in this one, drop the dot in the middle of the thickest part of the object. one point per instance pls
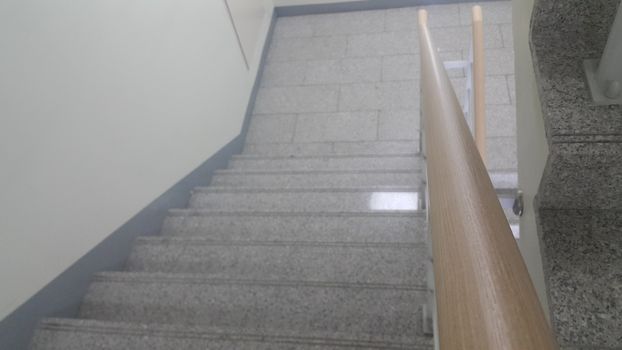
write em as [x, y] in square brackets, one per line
[485, 298]
[479, 102]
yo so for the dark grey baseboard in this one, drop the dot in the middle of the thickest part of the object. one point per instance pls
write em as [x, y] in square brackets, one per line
[362, 5]
[62, 296]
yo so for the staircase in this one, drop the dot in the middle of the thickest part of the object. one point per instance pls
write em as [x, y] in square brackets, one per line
[280, 252]
[313, 238]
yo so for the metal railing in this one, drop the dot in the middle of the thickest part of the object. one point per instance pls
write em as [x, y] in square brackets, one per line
[484, 296]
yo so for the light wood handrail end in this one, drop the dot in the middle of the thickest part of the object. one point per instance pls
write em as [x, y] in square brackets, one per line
[476, 13]
[423, 17]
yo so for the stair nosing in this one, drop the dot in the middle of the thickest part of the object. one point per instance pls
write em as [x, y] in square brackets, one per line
[152, 240]
[358, 189]
[380, 213]
[322, 156]
[237, 171]
[197, 332]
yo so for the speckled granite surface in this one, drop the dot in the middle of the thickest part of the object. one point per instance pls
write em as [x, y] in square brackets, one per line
[585, 139]
[584, 265]
[580, 198]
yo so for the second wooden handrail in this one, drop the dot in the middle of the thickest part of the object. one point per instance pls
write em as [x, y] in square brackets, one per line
[485, 298]
[479, 102]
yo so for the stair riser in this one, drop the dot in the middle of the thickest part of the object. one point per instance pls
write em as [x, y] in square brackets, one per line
[285, 262]
[390, 229]
[318, 180]
[348, 163]
[257, 306]
[324, 201]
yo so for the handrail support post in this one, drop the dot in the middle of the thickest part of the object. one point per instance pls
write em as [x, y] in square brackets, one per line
[604, 76]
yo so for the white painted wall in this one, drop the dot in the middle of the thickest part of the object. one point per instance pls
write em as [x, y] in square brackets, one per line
[105, 104]
[532, 147]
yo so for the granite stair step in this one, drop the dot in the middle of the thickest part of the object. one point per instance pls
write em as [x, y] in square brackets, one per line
[336, 148]
[334, 162]
[271, 260]
[311, 179]
[80, 334]
[388, 227]
[308, 200]
[296, 306]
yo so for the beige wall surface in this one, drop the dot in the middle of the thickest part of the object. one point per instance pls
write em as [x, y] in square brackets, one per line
[104, 105]
[532, 148]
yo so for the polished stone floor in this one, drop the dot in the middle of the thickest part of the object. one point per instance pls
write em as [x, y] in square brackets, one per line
[347, 82]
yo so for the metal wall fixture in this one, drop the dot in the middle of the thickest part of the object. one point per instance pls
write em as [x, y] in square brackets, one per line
[604, 76]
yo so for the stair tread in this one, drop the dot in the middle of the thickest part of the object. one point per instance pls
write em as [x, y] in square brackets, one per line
[195, 338]
[194, 299]
[309, 261]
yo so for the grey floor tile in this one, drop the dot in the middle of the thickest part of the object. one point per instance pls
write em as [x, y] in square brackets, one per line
[362, 96]
[323, 72]
[497, 92]
[401, 67]
[407, 18]
[377, 147]
[501, 153]
[494, 12]
[283, 74]
[288, 149]
[329, 127]
[293, 27]
[382, 96]
[501, 120]
[271, 128]
[297, 99]
[348, 70]
[399, 125]
[399, 95]
[512, 88]
[315, 48]
[355, 70]
[499, 61]
[508, 35]
[382, 44]
[354, 22]
[460, 37]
